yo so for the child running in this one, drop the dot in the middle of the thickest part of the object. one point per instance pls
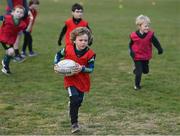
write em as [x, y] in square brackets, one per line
[72, 23]
[141, 48]
[79, 83]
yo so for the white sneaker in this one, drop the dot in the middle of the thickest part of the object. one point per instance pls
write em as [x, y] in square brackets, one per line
[5, 69]
[137, 87]
[19, 59]
[23, 54]
[75, 128]
[32, 54]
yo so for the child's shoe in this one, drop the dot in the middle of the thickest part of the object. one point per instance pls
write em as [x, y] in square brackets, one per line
[23, 54]
[137, 88]
[18, 58]
[5, 69]
[32, 54]
[75, 128]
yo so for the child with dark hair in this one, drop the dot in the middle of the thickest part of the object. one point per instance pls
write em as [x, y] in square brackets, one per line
[28, 40]
[140, 47]
[72, 23]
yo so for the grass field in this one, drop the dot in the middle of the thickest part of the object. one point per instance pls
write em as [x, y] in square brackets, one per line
[33, 100]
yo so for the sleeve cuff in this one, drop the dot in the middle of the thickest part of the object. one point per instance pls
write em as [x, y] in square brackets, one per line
[83, 68]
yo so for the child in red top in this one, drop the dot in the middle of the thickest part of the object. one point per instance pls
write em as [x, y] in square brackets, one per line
[10, 6]
[9, 30]
[28, 41]
[72, 23]
[79, 83]
[141, 48]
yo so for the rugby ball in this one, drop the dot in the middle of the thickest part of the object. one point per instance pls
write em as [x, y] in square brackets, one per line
[66, 67]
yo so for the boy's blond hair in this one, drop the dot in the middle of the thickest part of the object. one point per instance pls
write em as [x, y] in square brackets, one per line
[141, 19]
[81, 31]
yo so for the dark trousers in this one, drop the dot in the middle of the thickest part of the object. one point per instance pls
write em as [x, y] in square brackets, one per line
[76, 98]
[27, 42]
[141, 66]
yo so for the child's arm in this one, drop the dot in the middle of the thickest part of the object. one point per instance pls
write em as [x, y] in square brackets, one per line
[90, 67]
[59, 55]
[30, 22]
[157, 44]
[84, 69]
[130, 49]
[63, 31]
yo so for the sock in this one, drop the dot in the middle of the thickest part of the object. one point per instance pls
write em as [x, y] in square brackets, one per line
[7, 60]
[16, 52]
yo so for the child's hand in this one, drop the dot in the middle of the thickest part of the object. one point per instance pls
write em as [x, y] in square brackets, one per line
[28, 29]
[59, 42]
[30, 16]
[132, 54]
[56, 68]
[77, 69]
[160, 51]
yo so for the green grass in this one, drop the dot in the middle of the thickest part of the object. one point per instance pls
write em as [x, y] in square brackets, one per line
[33, 100]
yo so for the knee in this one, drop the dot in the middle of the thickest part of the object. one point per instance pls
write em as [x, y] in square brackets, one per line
[10, 52]
[138, 72]
[74, 101]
